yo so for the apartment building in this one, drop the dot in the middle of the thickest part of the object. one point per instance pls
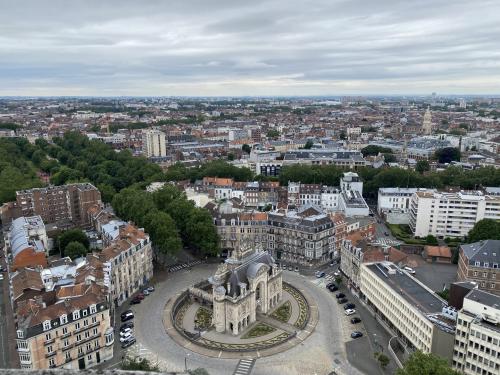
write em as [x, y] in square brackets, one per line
[419, 318]
[128, 262]
[394, 204]
[445, 214]
[55, 204]
[62, 314]
[343, 158]
[305, 236]
[154, 143]
[347, 199]
[73, 333]
[477, 338]
[479, 262]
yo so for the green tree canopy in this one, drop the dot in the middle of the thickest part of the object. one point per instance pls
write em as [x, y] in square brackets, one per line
[72, 235]
[422, 166]
[447, 154]
[373, 150]
[486, 229]
[138, 364]
[309, 144]
[273, 133]
[75, 250]
[246, 148]
[420, 363]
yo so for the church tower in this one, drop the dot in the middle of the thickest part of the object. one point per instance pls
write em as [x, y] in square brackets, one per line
[427, 123]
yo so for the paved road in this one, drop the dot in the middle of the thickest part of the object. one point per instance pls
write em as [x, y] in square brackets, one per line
[322, 352]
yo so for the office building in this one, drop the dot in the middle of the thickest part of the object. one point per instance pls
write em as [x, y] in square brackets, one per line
[420, 319]
[477, 338]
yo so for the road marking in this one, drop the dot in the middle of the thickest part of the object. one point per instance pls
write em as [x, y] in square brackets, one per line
[244, 367]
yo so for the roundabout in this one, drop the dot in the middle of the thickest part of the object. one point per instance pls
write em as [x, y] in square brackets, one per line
[317, 348]
[188, 322]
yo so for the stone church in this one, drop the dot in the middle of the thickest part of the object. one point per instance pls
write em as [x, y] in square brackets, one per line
[247, 283]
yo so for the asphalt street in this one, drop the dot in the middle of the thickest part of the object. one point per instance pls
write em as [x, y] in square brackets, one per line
[323, 351]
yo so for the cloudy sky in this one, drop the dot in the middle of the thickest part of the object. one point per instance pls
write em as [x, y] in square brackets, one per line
[256, 47]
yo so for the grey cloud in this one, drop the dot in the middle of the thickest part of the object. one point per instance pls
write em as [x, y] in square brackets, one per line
[227, 47]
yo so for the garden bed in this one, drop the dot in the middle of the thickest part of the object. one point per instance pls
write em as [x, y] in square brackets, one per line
[260, 329]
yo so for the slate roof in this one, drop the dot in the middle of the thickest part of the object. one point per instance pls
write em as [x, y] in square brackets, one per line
[487, 251]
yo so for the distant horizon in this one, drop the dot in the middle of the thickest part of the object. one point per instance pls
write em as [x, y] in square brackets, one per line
[263, 48]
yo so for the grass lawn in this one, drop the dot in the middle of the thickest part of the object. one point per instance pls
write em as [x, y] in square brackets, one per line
[260, 329]
[203, 318]
[403, 233]
[283, 312]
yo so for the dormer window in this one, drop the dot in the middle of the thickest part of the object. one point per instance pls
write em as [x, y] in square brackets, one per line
[76, 314]
[63, 319]
[20, 334]
[84, 312]
[46, 325]
[486, 264]
[93, 309]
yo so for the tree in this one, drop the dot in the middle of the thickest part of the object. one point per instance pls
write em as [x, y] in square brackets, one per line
[486, 229]
[72, 235]
[431, 240]
[246, 148]
[273, 133]
[75, 250]
[382, 359]
[390, 158]
[309, 144]
[422, 166]
[107, 192]
[447, 154]
[230, 156]
[138, 364]
[343, 135]
[373, 150]
[420, 363]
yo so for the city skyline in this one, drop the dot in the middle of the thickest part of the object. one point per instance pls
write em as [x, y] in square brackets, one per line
[197, 48]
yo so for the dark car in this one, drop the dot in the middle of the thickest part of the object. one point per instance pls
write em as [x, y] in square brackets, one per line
[350, 306]
[342, 300]
[356, 334]
[355, 320]
[128, 343]
[340, 295]
[139, 296]
[135, 301]
[329, 285]
[127, 317]
[126, 325]
[386, 233]
[127, 312]
[333, 288]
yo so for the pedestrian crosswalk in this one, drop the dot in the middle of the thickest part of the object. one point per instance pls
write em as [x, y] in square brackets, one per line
[387, 242]
[244, 367]
[181, 266]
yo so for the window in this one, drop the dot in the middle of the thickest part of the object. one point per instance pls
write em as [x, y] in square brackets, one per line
[46, 325]
[66, 342]
[68, 355]
[47, 337]
[76, 315]
[63, 319]
[94, 319]
[49, 349]
[84, 312]
[93, 309]
[65, 330]
[77, 325]
[52, 362]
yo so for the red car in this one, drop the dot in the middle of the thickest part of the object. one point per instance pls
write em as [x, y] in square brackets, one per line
[139, 296]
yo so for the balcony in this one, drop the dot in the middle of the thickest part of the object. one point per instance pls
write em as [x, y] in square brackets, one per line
[51, 354]
[69, 359]
[64, 348]
[48, 342]
[84, 328]
[85, 339]
[68, 334]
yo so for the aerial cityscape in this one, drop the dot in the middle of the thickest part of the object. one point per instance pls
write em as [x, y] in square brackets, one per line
[219, 188]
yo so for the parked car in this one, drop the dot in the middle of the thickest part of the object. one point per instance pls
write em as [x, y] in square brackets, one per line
[332, 264]
[126, 312]
[128, 343]
[336, 274]
[355, 320]
[1, 277]
[340, 295]
[128, 316]
[350, 312]
[127, 325]
[145, 292]
[320, 274]
[330, 284]
[356, 334]
[341, 301]
[290, 268]
[409, 270]
[349, 306]
[139, 296]
[135, 301]
[125, 331]
[126, 337]
[296, 269]
[386, 233]
[333, 288]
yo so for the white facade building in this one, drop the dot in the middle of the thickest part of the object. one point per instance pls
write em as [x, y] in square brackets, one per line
[450, 214]
[477, 339]
[154, 143]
